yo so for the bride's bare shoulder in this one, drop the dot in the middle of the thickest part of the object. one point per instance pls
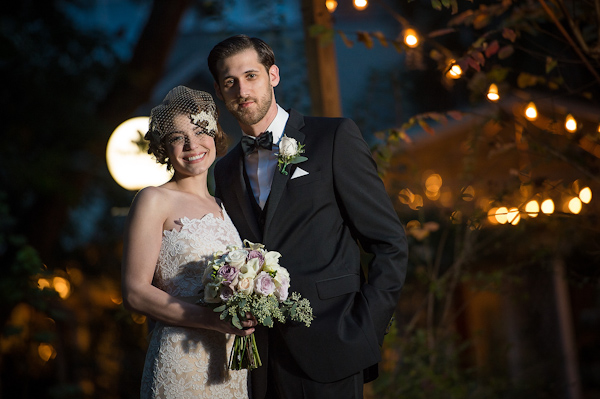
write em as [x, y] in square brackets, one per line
[152, 198]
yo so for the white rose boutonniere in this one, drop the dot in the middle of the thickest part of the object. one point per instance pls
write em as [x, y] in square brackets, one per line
[289, 153]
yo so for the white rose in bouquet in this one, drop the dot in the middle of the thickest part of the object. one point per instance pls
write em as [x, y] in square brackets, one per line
[246, 285]
[236, 258]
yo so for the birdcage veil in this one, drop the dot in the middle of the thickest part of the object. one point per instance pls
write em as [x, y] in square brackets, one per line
[181, 100]
[198, 105]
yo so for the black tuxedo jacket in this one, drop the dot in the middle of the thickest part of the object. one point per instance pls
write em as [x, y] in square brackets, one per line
[316, 222]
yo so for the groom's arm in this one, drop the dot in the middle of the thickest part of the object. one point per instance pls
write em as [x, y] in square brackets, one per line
[369, 212]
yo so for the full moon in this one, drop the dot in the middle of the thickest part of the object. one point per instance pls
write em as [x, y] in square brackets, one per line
[131, 166]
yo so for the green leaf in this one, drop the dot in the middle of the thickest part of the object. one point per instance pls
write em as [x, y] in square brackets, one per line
[220, 308]
[436, 4]
[298, 159]
[550, 64]
[235, 320]
[224, 315]
[505, 52]
[268, 321]
[316, 30]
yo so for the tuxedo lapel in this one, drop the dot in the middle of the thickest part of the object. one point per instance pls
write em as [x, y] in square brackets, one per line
[295, 122]
[242, 194]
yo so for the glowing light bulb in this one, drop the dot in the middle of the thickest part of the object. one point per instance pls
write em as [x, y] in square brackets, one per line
[492, 216]
[548, 207]
[62, 286]
[513, 216]
[492, 94]
[570, 123]
[501, 215]
[575, 205]
[433, 182]
[331, 5]
[360, 4]
[43, 283]
[532, 208]
[531, 111]
[410, 38]
[454, 72]
[585, 195]
[46, 351]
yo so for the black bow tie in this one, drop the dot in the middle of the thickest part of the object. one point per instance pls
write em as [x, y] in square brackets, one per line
[251, 144]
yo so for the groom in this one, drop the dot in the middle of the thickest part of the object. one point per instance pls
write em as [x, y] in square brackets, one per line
[318, 214]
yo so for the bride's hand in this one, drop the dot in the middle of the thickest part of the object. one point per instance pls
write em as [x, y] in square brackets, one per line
[226, 327]
[250, 321]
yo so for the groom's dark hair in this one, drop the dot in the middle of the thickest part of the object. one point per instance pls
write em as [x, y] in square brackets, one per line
[237, 44]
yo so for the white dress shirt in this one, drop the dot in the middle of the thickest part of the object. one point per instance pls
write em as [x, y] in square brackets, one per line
[261, 164]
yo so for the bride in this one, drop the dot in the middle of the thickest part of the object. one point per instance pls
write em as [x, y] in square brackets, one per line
[171, 231]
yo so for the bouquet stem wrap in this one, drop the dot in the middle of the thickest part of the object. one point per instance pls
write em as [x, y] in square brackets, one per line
[244, 354]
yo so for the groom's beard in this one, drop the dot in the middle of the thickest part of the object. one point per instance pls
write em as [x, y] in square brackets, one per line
[253, 114]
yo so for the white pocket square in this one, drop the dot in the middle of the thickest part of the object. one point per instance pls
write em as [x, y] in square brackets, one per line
[299, 172]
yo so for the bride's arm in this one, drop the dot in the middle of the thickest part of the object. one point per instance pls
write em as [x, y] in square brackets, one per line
[141, 247]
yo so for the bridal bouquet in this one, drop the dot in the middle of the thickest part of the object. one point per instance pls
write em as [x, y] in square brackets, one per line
[250, 280]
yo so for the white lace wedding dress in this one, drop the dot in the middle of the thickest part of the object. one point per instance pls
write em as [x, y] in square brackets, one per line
[183, 362]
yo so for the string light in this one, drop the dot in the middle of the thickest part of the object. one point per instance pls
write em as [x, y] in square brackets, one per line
[575, 205]
[531, 112]
[513, 216]
[331, 5]
[492, 216]
[548, 207]
[410, 38]
[501, 215]
[532, 208]
[492, 94]
[585, 195]
[570, 123]
[454, 72]
[360, 4]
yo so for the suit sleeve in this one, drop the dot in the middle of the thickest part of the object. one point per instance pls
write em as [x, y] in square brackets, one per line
[372, 219]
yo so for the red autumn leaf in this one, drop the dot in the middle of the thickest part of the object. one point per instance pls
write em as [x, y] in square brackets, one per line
[492, 49]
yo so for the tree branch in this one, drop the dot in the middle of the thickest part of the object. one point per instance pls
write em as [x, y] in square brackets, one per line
[135, 82]
[561, 28]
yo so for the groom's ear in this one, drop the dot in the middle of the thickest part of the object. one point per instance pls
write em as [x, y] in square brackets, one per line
[218, 91]
[274, 75]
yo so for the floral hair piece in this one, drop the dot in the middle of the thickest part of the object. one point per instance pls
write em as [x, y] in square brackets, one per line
[182, 100]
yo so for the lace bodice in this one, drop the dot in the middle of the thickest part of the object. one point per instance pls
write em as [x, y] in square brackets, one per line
[184, 252]
[188, 363]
